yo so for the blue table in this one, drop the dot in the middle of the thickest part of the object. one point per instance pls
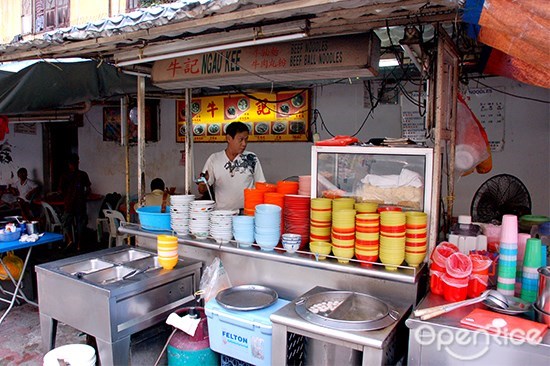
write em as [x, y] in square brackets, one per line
[6, 246]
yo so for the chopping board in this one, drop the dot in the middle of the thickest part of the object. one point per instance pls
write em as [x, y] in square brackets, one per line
[505, 325]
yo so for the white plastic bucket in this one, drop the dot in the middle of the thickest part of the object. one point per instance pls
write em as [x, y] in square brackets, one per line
[72, 354]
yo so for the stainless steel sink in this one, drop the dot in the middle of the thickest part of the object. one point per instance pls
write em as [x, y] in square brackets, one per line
[109, 275]
[86, 267]
[149, 263]
[126, 256]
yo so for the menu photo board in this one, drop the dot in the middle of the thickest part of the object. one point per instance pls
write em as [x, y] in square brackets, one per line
[272, 117]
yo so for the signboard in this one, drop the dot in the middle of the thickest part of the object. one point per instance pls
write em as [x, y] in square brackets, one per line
[488, 106]
[282, 116]
[412, 122]
[352, 56]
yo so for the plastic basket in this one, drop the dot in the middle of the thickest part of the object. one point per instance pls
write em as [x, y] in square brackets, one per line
[10, 236]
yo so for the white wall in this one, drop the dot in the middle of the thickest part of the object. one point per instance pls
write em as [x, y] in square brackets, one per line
[26, 152]
[525, 155]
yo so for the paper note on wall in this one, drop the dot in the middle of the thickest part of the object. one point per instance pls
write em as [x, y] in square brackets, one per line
[488, 106]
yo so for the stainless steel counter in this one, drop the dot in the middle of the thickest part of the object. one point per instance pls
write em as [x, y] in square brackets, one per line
[443, 341]
[110, 301]
[378, 347]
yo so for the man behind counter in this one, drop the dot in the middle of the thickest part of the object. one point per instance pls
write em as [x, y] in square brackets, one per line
[232, 170]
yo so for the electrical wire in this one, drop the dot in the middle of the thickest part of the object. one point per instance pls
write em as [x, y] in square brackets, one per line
[92, 125]
[514, 95]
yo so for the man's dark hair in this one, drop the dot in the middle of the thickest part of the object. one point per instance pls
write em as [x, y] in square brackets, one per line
[22, 171]
[236, 127]
[157, 183]
[73, 159]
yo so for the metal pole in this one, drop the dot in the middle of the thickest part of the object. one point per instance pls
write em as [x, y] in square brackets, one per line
[141, 135]
[188, 141]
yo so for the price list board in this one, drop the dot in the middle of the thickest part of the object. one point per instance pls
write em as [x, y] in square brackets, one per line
[488, 106]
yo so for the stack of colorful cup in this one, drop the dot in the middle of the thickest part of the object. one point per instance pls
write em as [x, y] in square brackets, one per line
[167, 251]
[367, 237]
[343, 203]
[252, 198]
[343, 234]
[366, 207]
[416, 234]
[507, 260]
[304, 185]
[320, 219]
[287, 187]
[531, 262]
[392, 238]
[522, 242]
[296, 216]
[438, 265]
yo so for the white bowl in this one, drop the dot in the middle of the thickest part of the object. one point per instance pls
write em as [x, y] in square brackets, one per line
[292, 247]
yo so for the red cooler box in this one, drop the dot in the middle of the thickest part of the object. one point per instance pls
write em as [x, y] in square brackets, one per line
[244, 335]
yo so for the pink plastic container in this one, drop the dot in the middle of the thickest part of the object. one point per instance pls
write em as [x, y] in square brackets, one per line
[458, 265]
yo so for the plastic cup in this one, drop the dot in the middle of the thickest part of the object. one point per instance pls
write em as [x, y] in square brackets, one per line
[533, 256]
[509, 229]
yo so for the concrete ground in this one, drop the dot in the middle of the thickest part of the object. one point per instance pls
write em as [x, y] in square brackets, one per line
[20, 338]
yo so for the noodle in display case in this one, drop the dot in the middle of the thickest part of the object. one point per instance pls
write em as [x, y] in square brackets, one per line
[282, 116]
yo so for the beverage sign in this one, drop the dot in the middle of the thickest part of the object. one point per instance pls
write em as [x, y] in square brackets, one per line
[271, 117]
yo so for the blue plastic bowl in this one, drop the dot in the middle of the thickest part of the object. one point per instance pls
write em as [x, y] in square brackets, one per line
[151, 218]
[10, 236]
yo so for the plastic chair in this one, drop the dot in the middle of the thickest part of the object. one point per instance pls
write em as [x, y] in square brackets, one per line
[115, 218]
[52, 220]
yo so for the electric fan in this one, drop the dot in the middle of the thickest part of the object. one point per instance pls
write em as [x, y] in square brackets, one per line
[500, 195]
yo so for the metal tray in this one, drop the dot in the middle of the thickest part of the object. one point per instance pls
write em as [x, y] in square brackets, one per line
[516, 306]
[247, 297]
[353, 311]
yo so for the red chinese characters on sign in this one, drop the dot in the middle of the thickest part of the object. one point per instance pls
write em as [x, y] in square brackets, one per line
[268, 58]
[190, 66]
[211, 108]
[262, 108]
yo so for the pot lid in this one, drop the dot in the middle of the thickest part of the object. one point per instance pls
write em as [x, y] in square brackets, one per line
[247, 297]
[346, 310]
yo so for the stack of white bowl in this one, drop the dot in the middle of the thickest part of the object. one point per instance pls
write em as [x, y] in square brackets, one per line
[221, 225]
[199, 218]
[179, 213]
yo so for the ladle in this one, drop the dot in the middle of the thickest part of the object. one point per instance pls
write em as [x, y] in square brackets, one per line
[490, 295]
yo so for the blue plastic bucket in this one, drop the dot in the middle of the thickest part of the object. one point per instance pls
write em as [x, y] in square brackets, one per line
[151, 218]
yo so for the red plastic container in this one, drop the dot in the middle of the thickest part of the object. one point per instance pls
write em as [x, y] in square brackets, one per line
[477, 284]
[480, 264]
[458, 265]
[454, 289]
[441, 253]
[436, 285]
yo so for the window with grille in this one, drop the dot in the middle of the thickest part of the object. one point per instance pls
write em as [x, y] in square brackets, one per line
[132, 5]
[55, 14]
[26, 16]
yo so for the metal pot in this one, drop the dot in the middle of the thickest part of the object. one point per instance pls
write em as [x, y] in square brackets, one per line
[33, 227]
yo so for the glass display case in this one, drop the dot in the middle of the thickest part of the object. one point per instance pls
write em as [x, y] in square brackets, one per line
[399, 176]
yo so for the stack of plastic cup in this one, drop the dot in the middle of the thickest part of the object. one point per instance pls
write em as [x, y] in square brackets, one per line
[267, 226]
[438, 265]
[367, 237]
[416, 235]
[522, 241]
[320, 219]
[366, 207]
[507, 261]
[343, 203]
[167, 251]
[480, 274]
[243, 230]
[252, 198]
[531, 262]
[392, 238]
